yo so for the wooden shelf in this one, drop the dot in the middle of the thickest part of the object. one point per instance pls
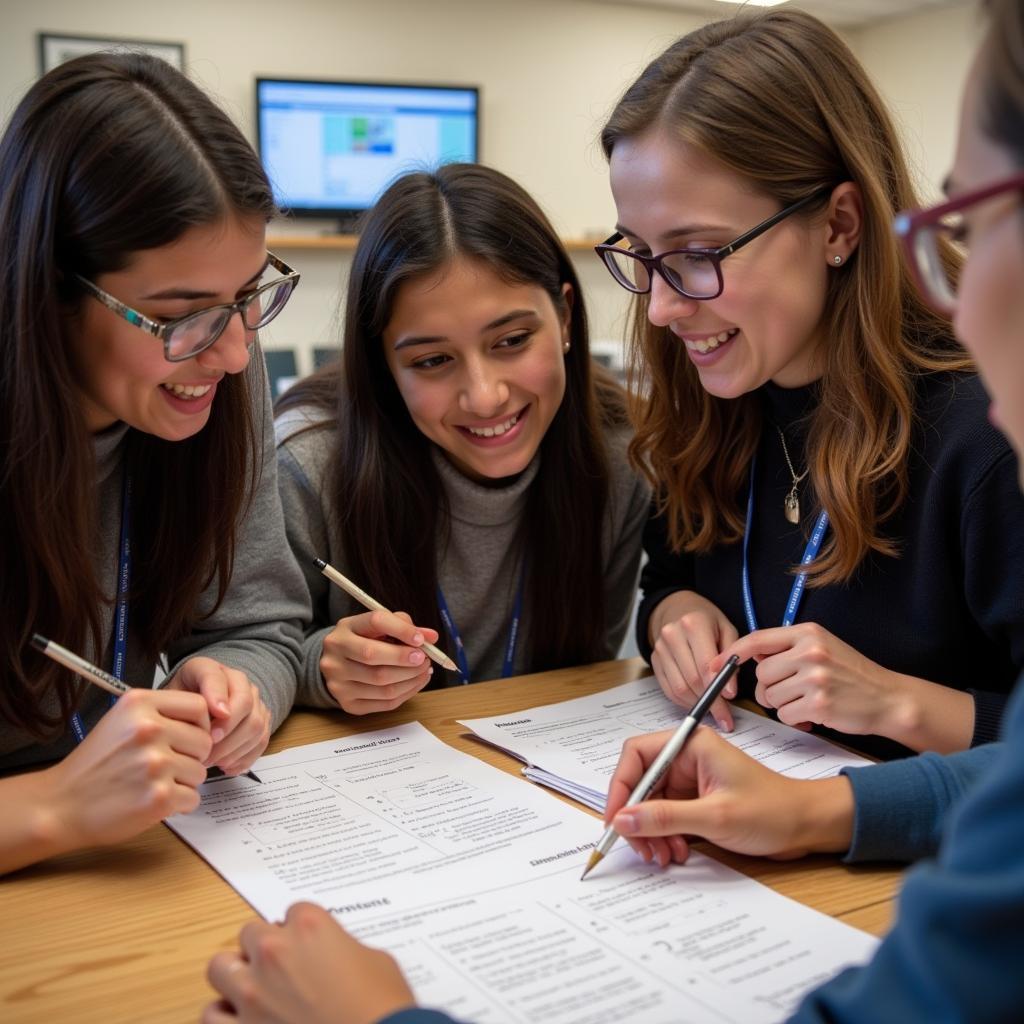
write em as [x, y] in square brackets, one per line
[346, 243]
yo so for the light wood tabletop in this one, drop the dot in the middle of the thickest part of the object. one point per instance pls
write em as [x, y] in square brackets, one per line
[124, 933]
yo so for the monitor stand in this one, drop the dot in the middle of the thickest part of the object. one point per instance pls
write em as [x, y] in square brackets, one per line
[348, 222]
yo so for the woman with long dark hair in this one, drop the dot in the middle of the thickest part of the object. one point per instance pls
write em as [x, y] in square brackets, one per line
[468, 462]
[137, 470]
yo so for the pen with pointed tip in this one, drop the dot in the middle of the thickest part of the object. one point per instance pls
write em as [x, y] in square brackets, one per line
[668, 754]
[104, 680]
[434, 653]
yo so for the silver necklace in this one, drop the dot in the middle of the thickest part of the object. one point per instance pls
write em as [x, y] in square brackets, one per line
[791, 503]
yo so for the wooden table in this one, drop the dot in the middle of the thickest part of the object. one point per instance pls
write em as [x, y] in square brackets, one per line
[124, 933]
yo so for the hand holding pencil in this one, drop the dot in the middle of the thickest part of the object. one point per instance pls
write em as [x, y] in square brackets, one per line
[142, 761]
[364, 670]
[715, 791]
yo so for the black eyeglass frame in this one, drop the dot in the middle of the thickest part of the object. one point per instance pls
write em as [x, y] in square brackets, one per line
[163, 329]
[654, 264]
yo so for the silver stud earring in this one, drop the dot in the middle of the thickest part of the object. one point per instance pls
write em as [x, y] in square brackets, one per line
[837, 260]
[565, 346]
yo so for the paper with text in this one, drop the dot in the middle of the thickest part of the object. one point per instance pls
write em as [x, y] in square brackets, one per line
[471, 879]
[574, 746]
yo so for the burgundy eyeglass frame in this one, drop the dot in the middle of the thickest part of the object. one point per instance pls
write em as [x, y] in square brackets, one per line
[909, 222]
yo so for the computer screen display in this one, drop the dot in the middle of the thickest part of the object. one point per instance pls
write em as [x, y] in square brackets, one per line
[331, 148]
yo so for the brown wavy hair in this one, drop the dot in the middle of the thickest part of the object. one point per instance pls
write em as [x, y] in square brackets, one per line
[779, 99]
[105, 156]
[384, 481]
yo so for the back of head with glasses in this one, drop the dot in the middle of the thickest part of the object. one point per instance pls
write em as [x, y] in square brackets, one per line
[779, 103]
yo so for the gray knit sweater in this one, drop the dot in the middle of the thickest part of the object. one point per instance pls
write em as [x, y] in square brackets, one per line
[478, 571]
[258, 628]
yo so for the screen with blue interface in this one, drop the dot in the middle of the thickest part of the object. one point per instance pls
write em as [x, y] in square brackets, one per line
[335, 146]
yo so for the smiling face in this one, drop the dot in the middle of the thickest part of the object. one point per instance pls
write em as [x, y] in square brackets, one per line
[767, 323]
[121, 371]
[989, 317]
[480, 365]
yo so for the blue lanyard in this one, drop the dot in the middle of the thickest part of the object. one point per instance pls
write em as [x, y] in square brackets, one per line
[810, 553]
[124, 575]
[510, 644]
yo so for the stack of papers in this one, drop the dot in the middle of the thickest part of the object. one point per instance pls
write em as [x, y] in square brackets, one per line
[471, 879]
[573, 747]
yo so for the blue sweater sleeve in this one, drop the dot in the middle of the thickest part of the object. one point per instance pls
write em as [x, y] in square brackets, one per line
[900, 807]
[956, 950]
[417, 1015]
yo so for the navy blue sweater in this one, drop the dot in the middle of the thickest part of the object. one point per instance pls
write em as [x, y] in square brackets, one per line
[949, 609]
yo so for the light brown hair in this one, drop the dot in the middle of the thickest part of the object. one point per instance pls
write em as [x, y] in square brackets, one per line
[779, 99]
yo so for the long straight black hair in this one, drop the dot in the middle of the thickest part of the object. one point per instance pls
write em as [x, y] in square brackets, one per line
[385, 484]
[105, 156]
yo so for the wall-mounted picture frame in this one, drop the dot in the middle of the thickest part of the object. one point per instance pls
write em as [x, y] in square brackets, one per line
[55, 48]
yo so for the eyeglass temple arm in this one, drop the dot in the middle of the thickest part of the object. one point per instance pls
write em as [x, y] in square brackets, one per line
[125, 312]
[761, 228]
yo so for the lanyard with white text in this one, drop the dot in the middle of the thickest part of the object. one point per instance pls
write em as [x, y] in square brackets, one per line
[510, 644]
[810, 553]
[124, 575]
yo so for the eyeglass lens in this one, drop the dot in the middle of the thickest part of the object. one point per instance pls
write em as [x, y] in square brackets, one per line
[689, 272]
[200, 331]
[928, 247]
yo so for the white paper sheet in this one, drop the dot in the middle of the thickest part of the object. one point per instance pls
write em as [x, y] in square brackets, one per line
[574, 746]
[471, 879]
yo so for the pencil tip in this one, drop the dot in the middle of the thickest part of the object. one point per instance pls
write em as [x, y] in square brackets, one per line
[320, 563]
[39, 642]
[595, 858]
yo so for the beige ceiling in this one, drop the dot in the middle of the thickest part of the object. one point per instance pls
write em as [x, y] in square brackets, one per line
[841, 13]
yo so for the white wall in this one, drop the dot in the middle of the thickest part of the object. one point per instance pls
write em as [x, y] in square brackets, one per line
[550, 71]
[919, 64]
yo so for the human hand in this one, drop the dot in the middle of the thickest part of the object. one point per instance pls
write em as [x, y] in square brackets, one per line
[810, 676]
[715, 791]
[688, 631]
[308, 970]
[364, 672]
[239, 720]
[142, 762]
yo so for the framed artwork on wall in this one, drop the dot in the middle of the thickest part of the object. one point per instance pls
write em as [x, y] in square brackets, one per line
[55, 48]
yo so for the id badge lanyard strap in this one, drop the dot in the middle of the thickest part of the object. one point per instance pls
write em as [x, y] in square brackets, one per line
[510, 643]
[796, 592]
[124, 575]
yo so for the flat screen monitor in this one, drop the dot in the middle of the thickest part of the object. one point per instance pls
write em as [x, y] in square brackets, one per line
[331, 148]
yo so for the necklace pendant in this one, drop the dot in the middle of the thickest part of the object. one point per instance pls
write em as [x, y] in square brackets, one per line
[791, 507]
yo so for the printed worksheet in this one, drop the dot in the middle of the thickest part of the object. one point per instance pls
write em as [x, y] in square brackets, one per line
[471, 879]
[574, 746]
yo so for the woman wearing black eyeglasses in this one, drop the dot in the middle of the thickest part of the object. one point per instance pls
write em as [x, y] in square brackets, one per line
[832, 500]
[137, 470]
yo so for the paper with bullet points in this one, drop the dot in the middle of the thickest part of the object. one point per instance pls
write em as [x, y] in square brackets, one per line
[471, 879]
[574, 746]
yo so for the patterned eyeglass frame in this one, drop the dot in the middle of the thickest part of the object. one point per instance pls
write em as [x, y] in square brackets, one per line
[162, 329]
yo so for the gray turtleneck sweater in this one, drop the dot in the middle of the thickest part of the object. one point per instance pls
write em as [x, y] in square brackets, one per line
[479, 570]
[258, 628]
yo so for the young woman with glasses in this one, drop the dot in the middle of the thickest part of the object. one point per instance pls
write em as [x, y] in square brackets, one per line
[828, 487]
[955, 952]
[466, 463]
[137, 469]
